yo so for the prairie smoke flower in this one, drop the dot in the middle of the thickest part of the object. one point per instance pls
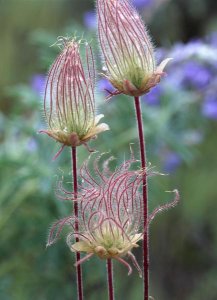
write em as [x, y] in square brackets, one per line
[111, 213]
[126, 48]
[69, 103]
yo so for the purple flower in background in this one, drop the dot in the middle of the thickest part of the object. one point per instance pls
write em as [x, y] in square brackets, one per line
[89, 19]
[174, 78]
[195, 74]
[104, 84]
[161, 54]
[181, 51]
[171, 162]
[140, 4]
[209, 108]
[38, 83]
[32, 145]
[153, 97]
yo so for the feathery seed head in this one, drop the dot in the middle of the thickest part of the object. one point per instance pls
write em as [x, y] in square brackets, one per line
[110, 212]
[110, 205]
[69, 103]
[110, 223]
[126, 48]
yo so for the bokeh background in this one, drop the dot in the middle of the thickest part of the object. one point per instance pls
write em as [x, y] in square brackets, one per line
[180, 121]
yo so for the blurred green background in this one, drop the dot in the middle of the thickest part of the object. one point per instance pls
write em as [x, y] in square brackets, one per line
[180, 121]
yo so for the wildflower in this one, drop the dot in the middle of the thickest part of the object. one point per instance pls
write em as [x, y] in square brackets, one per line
[209, 108]
[126, 48]
[111, 213]
[37, 83]
[196, 75]
[69, 103]
[172, 161]
[153, 97]
[141, 4]
[89, 20]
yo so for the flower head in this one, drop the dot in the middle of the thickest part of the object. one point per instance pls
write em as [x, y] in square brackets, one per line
[209, 107]
[126, 48]
[37, 83]
[89, 20]
[69, 103]
[110, 217]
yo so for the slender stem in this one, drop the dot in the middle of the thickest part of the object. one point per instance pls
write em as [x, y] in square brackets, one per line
[78, 256]
[110, 280]
[145, 198]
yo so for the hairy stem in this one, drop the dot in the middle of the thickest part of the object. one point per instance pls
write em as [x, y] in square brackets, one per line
[78, 256]
[110, 280]
[145, 198]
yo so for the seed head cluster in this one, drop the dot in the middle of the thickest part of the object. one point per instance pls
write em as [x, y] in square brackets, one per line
[109, 217]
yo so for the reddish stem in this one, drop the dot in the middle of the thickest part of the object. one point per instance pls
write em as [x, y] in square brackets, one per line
[110, 280]
[145, 198]
[78, 256]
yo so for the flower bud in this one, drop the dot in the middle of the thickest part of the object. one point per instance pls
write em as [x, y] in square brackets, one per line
[126, 48]
[69, 104]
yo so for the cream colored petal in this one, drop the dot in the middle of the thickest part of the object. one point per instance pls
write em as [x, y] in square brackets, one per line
[81, 247]
[98, 118]
[96, 130]
[162, 65]
[137, 237]
[100, 128]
